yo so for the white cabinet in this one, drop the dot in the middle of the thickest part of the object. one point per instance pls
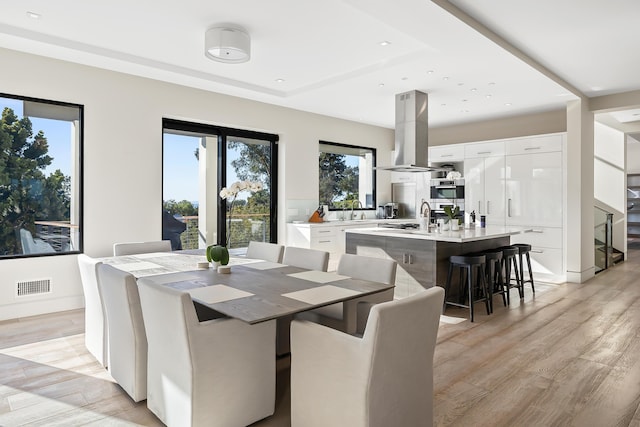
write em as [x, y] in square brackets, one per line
[484, 182]
[446, 153]
[534, 188]
[403, 177]
[330, 237]
[535, 198]
[484, 149]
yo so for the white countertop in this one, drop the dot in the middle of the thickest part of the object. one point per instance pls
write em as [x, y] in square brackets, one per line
[356, 222]
[461, 236]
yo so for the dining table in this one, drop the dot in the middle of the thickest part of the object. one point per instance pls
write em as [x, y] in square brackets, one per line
[253, 291]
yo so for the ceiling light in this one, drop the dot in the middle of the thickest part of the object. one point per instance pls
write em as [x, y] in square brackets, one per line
[33, 15]
[380, 84]
[430, 72]
[508, 104]
[384, 43]
[488, 95]
[445, 78]
[474, 89]
[230, 44]
[279, 80]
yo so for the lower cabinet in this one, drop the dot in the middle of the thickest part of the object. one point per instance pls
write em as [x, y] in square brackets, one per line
[546, 253]
[323, 236]
[416, 269]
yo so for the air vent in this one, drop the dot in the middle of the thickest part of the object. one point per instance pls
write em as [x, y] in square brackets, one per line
[33, 287]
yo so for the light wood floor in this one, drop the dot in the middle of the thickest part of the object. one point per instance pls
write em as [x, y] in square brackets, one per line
[570, 356]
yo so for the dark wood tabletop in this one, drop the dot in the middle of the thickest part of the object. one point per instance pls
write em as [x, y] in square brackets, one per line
[254, 291]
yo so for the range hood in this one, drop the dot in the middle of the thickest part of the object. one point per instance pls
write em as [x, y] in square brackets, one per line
[412, 134]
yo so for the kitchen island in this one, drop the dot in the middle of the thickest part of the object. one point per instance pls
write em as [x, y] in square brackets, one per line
[423, 257]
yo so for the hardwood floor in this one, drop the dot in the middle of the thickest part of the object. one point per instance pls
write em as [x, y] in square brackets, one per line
[570, 356]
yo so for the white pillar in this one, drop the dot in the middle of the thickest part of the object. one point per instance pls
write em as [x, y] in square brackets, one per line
[580, 201]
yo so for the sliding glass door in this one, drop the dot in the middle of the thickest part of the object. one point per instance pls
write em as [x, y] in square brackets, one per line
[218, 186]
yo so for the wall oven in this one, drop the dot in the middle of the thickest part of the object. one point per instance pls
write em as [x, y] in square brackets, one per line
[447, 189]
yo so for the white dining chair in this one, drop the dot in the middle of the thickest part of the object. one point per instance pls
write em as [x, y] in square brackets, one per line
[133, 248]
[351, 316]
[215, 373]
[126, 332]
[310, 259]
[271, 252]
[95, 325]
[384, 378]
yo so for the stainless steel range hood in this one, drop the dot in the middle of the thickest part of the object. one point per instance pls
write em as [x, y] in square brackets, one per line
[412, 134]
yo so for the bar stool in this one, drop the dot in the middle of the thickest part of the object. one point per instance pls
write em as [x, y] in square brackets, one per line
[508, 259]
[467, 264]
[493, 269]
[524, 249]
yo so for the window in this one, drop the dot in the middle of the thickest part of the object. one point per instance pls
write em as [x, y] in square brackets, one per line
[198, 161]
[347, 175]
[40, 177]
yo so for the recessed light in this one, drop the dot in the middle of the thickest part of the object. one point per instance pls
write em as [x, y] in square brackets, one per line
[508, 104]
[491, 83]
[279, 80]
[445, 78]
[380, 84]
[384, 43]
[430, 72]
[405, 78]
[473, 89]
[33, 15]
[443, 105]
[488, 95]
[465, 100]
[460, 84]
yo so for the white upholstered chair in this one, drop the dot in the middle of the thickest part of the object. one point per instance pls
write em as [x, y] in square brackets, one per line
[216, 373]
[95, 325]
[266, 251]
[351, 316]
[383, 379]
[311, 259]
[132, 248]
[127, 337]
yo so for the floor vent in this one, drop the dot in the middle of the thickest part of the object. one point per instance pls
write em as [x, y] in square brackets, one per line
[33, 287]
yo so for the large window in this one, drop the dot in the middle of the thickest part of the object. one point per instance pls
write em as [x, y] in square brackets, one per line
[198, 161]
[347, 176]
[40, 177]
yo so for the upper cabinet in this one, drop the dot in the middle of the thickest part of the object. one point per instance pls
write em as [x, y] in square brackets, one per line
[535, 144]
[446, 153]
[484, 149]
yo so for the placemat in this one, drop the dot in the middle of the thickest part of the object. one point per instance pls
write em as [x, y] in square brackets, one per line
[264, 265]
[134, 266]
[318, 276]
[321, 294]
[217, 293]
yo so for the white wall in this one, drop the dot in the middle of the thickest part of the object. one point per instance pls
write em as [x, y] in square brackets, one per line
[123, 158]
[633, 155]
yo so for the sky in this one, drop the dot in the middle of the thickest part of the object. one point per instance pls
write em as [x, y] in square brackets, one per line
[180, 168]
[57, 132]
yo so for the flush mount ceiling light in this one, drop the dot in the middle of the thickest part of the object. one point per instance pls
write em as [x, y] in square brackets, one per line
[230, 44]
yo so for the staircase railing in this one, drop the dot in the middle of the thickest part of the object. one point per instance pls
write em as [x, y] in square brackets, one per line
[603, 238]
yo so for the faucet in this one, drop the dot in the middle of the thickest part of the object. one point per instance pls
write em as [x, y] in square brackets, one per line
[426, 213]
[353, 202]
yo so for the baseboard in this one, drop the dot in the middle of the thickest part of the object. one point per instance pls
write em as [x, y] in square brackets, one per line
[581, 277]
[42, 306]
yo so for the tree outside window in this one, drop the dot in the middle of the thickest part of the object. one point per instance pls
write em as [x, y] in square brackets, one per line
[346, 175]
[39, 185]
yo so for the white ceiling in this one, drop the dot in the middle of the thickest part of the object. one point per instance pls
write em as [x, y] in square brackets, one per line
[329, 56]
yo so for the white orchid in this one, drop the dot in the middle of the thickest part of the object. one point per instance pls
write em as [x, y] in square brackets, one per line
[232, 192]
